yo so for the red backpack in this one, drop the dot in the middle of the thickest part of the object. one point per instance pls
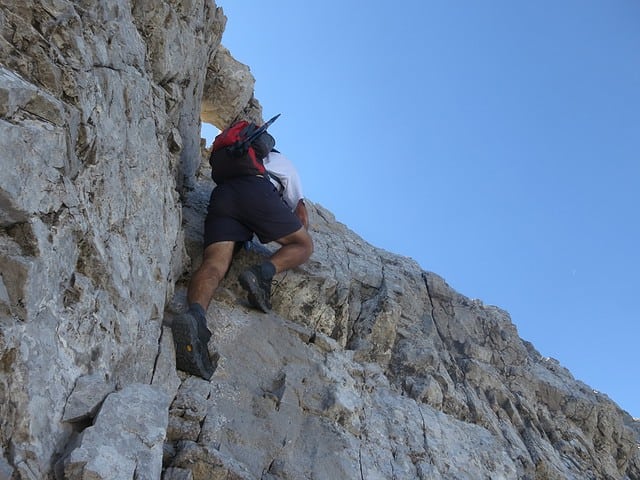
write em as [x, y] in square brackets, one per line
[237, 151]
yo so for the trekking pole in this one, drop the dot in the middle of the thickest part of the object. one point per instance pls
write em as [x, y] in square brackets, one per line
[259, 131]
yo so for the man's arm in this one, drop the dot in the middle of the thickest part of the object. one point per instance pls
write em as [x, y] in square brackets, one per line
[302, 214]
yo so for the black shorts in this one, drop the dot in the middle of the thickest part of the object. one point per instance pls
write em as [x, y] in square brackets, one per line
[242, 206]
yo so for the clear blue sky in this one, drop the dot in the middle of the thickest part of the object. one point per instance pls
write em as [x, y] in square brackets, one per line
[497, 143]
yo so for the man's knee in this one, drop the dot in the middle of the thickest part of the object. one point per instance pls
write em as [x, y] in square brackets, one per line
[301, 239]
[212, 270]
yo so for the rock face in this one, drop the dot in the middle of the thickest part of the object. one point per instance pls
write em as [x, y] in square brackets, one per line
[99, 132]
[368, 367]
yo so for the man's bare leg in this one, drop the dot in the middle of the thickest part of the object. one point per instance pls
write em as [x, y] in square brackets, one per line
[296, 249]
[215, 263]
[190, 332]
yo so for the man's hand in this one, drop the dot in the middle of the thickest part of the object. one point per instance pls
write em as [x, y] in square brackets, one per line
[302, 214]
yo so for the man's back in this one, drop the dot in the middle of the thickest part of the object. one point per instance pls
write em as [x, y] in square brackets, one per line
[280, 166]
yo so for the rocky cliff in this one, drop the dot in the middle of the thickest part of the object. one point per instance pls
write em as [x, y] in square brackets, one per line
[368, 367]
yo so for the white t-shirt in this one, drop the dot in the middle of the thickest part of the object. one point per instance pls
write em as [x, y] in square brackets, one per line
[281, 167]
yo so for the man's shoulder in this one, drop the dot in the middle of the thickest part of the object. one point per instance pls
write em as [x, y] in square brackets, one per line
[276, 155]
[277, 159]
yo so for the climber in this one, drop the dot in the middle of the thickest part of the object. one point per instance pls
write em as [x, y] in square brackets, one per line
[271, 206]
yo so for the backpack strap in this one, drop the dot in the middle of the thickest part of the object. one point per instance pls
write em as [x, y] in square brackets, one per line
[278, 181]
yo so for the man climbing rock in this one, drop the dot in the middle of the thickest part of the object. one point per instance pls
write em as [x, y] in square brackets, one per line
[257, 191]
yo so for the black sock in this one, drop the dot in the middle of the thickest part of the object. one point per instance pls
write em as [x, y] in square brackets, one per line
[267, 269]
[198, 311]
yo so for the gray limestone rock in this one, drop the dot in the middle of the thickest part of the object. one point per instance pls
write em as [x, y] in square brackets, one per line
[206, 463]
[164, 373]
[228, 92]
[86, 397]
[126, 439]
[99, 127]
[177, 474]
[6, 470]
[188, 410]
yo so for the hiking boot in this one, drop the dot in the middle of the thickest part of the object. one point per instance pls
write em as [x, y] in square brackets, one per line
[256, 280]
[192, 355]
